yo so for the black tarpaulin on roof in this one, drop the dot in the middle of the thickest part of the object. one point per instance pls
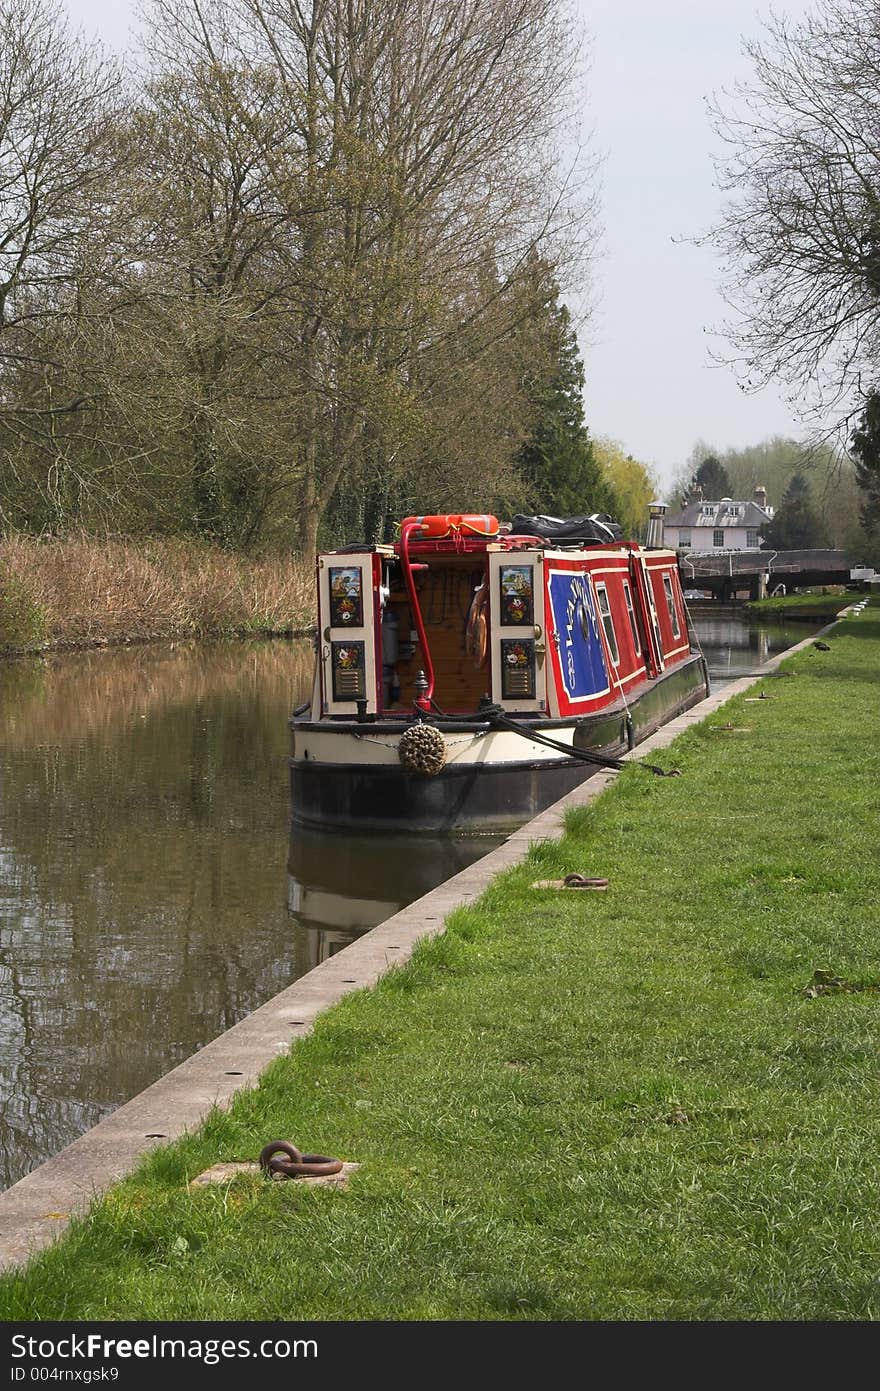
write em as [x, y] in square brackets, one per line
[568, 530]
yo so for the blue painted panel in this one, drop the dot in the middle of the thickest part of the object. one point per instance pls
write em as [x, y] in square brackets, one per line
[581, 658]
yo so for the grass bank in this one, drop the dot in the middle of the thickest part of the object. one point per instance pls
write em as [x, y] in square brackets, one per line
[81, 590]
[800, 606]
[638, 1104]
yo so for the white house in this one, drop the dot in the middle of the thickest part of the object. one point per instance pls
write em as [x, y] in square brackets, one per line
[718, 526]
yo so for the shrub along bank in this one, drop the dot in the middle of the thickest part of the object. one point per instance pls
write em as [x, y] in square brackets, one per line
[657, 1102]
[79, 590]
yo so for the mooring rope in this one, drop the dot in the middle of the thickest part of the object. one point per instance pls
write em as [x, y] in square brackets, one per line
[497, 718]
[584, 755]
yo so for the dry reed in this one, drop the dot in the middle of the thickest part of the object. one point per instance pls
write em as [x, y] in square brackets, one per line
[91, 589]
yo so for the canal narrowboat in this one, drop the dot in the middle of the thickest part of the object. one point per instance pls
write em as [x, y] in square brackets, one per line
[471, 674]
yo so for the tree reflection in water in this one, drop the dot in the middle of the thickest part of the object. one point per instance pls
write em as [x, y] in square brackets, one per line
[144, 902]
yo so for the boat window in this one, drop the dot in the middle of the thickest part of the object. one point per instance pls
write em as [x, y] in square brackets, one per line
[632, 618]
[670, 604]
[607, 622]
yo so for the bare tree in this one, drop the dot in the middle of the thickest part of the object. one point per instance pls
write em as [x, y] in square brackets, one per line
[310, 272]
[57, 128]
[191, 378]
[801, 230]
[422, 173]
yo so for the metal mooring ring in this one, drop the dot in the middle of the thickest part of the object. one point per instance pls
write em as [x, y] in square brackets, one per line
[297, 1164]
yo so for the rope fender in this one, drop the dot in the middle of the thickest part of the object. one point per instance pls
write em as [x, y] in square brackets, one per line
[422, 749]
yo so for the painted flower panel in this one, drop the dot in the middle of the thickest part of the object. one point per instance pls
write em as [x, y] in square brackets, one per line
[517, 599]
[349, 670]
[517, 669]
[346, 600]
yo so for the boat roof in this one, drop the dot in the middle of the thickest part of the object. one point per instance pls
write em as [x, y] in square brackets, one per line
[470, 545]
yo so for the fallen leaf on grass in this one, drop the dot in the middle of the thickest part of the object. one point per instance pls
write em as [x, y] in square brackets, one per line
[571, 881]
[678, 1116]
[825, 982]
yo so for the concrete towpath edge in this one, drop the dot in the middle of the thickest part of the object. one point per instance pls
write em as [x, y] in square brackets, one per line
[36, 1209]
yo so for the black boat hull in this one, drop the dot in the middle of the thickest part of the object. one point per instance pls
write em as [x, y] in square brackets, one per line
[490, 796]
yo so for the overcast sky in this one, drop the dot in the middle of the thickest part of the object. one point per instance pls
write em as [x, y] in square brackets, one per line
[650, 383]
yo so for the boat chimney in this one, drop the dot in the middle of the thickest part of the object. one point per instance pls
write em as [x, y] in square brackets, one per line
[656, 513]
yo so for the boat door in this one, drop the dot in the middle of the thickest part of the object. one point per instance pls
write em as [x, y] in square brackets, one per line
[347, 629]
[649, 608]
[516, 609]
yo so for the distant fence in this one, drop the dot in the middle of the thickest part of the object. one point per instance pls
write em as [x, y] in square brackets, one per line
[760, 571]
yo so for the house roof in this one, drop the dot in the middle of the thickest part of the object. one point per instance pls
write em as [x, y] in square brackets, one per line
[719, 514]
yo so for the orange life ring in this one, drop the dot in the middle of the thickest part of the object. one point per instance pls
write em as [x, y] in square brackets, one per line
[476, 633]
[435, 528]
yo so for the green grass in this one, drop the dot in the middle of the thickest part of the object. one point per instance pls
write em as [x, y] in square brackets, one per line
[615, 1106]
[820, 603]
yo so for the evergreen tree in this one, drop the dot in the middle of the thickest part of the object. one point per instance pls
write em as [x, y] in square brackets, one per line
[796, 526]
[712, 477]
[561, 475]
[865, 446]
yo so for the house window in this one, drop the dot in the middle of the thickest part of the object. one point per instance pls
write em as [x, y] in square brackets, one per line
[684, 538]
[607, 622]
[670, 604]
[718, 536]
[708, 511]
[752, 539]
[632, 618]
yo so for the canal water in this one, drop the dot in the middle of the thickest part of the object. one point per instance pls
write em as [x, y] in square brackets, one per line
[734, 647]
[151, 892]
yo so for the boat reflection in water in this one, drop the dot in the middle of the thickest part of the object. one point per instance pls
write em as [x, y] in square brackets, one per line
[341, 886]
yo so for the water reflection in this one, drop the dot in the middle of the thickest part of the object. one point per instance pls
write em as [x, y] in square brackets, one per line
[733, 647]
[142, 822]
[340, 886]
[144, 899]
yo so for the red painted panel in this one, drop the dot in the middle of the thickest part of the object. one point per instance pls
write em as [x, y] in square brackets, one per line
[674, 648]
[630, 662]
